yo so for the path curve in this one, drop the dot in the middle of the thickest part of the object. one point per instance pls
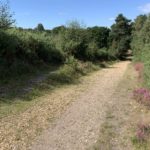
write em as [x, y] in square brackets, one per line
[78, 126]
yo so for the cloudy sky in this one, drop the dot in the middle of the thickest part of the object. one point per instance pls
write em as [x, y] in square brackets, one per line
[51, 13]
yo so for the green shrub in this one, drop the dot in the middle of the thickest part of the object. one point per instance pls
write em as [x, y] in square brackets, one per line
[67, 73]
[72, 70]
[102, 54]
[141, 46]
[23, 49]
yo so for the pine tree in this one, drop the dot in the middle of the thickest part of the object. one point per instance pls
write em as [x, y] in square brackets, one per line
[120, 35]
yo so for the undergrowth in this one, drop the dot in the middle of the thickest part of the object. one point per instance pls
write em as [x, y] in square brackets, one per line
[142, 95]
[21, 97]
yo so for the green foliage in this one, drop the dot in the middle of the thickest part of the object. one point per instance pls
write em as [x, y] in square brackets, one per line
[120, 35]
[23, 50]
[140, 44]
[20, 51]
[102, 54]
[58, 29]
[74, 42]
[139, 22]
[99, 35]
[74, 24]
[6, 19]
[40, 27]
[83, 43]
[72, 70]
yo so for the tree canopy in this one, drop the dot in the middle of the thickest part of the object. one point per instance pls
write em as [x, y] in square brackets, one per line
[6, 17]
[40, 27]
[120, 35]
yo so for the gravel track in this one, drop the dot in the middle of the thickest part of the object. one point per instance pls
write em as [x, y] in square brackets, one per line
[77, 128]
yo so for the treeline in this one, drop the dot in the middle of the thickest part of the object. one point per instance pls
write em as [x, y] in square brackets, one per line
[23, 50]
[141, 44]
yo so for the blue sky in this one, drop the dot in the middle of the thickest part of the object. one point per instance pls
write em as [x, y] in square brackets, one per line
[51, 13]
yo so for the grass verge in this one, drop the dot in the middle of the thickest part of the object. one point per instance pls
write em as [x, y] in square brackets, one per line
[22, 94]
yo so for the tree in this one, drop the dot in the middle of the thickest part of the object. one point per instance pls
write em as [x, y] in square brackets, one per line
[99, 35]
[120, 35]
[141, 45]
[74, 39]
[58, 29]
[40, 27]
[6, 18]
[138, 34]
[139, 22]
[75, 24]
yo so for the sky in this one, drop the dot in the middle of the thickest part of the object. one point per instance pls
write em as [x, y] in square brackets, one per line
[52, 13]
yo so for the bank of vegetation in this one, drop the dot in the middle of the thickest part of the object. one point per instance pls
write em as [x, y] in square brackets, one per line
[63, 53]
[25, 50]
[141, 49]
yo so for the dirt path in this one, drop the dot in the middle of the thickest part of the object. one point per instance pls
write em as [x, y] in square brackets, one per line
[122, 116]
[78, 127]
[93, 114]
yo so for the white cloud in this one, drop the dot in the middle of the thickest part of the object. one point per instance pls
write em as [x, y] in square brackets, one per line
[111, 19]
[145, 8]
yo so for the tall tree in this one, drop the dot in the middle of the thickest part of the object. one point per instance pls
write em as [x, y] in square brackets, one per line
[120, 35]
[40, 27]
[58, 29]
[138, 33]
[139, 22]
[6, 17]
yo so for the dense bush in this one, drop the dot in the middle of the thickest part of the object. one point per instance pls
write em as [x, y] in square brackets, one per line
[99, 35]
[23, 49]
[75, 42]
[71, 70]
[140, 44]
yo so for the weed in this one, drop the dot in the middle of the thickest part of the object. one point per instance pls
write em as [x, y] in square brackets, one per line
[142, 95]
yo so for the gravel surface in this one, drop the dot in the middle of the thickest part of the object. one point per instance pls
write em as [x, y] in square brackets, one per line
[77, 128]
